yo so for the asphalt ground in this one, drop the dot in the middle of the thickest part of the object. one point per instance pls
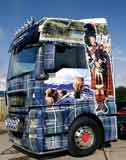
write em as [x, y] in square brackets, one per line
[117, 151]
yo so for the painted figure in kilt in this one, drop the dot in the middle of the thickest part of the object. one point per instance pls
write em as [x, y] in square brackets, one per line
[98, 48]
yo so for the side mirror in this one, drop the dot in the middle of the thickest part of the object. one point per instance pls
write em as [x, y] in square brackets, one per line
[40, 73]
[41, 76]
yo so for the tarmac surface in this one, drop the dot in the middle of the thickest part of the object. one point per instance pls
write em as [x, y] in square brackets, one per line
[117, 151]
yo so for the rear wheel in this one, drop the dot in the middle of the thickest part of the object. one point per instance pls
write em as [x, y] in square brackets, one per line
[85, 136]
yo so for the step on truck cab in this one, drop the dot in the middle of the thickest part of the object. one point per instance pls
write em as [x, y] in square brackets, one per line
[60, 87]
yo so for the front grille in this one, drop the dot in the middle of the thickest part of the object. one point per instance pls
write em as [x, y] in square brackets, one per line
[16, 101]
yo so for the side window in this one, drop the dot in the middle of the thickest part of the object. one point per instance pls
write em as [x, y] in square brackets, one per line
[69, 57]
[64, 56]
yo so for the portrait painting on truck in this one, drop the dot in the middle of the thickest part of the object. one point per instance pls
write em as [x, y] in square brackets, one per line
[98, 43]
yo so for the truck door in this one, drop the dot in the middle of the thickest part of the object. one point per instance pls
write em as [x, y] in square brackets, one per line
[63, 63]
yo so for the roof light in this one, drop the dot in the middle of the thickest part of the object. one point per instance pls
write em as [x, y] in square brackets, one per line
[26, 25]
[32, 20]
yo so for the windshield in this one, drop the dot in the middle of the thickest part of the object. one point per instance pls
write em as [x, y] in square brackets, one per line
[22, 61]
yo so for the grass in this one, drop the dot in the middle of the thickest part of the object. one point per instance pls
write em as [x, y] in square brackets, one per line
[3, 109]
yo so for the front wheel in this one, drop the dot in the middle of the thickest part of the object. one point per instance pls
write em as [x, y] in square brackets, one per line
[84, 137]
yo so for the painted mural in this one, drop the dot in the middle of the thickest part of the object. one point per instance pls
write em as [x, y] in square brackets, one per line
[98, 44]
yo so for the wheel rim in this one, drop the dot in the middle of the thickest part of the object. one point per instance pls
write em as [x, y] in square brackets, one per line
[84, 137]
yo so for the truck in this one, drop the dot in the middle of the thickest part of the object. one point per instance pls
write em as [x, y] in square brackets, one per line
[60, 86]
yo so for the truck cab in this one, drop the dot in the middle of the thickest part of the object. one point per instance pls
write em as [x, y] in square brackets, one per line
[52, 102]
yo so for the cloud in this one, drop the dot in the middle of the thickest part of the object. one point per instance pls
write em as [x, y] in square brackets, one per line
[4, 56]
[119, 64]
[2, 35]
[2, 84]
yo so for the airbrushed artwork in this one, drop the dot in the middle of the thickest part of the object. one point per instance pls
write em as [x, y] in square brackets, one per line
[98, 43]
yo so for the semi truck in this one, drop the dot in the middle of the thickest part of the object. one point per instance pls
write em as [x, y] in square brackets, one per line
[60, 86]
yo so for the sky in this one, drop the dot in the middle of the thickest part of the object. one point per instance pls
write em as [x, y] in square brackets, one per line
[13, 14]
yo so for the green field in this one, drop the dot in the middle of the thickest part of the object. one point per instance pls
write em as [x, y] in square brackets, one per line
[3, 109]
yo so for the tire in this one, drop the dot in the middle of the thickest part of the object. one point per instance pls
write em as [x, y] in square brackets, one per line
[84, 137]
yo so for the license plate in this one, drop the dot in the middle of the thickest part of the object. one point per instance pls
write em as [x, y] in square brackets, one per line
[12, 124]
